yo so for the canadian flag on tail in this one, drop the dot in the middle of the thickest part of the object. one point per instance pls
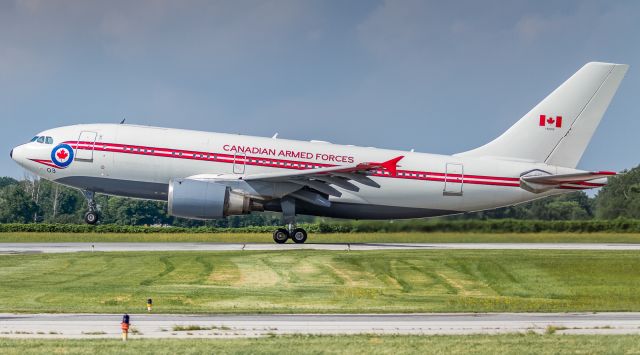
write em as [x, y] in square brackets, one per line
[549, 121]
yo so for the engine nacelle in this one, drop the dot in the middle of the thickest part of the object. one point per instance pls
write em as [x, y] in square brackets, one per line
[198, 199]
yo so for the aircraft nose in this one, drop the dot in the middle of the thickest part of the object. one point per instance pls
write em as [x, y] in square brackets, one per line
[15, 153]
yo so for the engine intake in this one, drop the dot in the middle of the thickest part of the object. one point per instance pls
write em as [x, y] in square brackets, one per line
[198, 199]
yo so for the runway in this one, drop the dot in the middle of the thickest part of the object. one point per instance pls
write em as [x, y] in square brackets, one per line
[28, 248]
[211, 326]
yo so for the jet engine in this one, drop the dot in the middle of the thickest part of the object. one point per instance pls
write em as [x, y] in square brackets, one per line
[197, 199]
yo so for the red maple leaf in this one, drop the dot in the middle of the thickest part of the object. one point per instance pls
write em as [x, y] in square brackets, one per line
[550, 120]
[62, 154]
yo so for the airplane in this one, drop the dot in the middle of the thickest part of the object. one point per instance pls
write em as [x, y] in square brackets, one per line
[203, 175]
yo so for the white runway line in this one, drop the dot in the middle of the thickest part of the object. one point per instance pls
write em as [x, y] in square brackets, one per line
[25, 248]
[162, 325]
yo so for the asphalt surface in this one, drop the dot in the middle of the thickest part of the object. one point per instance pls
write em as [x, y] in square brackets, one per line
[212, 326]
[26, 248]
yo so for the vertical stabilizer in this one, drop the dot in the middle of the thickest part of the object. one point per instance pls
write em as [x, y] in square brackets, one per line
[558, 129]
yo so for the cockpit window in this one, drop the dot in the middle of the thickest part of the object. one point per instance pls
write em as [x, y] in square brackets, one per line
[42, 139]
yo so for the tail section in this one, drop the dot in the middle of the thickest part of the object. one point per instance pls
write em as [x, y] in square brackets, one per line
[558, 129]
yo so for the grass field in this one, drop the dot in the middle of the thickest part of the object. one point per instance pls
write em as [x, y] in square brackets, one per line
[362, 344]
[322, 281]
[412, 237]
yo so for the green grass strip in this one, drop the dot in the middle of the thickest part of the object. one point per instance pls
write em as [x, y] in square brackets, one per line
[310, 281]
[408, 237]
[360, 344]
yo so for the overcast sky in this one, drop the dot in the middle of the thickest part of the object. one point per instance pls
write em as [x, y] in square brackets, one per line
[436, 76]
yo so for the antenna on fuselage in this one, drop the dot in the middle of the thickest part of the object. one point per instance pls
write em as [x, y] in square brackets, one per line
[275, 136]
[122, 122]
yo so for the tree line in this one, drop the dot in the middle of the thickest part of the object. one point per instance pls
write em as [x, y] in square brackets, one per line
[33, 200]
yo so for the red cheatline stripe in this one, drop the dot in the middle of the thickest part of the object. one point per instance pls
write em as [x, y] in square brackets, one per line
[47, 163]
[301, 165]
[479, 177]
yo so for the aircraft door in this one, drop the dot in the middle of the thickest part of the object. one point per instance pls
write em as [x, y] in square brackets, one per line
[86, 144]
[453, 179]
[239, 161]
[102, 157]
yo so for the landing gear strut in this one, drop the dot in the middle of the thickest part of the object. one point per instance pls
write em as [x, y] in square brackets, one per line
[91, 217]
[298, 235]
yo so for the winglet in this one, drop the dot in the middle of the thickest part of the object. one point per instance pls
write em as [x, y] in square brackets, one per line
[392, 165]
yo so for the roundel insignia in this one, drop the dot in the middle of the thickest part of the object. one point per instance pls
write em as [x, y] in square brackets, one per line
[62, 155]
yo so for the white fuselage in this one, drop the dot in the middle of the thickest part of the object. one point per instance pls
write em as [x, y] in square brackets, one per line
[139, 161]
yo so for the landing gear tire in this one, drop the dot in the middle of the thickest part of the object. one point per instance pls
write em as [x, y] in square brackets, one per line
[280, 236]
[299, 235]
[91, 217]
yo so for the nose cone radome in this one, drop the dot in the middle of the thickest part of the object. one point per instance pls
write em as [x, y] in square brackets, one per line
[16, 154]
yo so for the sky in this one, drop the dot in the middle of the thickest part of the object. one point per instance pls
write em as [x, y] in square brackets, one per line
[434, 76]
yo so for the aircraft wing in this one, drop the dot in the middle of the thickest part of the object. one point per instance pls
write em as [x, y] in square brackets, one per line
[340, 170]
[314, 185]
[322, 179]
[567, 178]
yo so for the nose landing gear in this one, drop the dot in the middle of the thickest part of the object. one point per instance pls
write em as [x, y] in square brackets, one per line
[91, 217]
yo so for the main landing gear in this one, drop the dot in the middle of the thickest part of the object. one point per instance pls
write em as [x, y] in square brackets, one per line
[91, 217]
[298, 235]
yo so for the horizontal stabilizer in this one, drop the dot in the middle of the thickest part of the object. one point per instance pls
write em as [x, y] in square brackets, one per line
[538, 181]
[567, 178]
